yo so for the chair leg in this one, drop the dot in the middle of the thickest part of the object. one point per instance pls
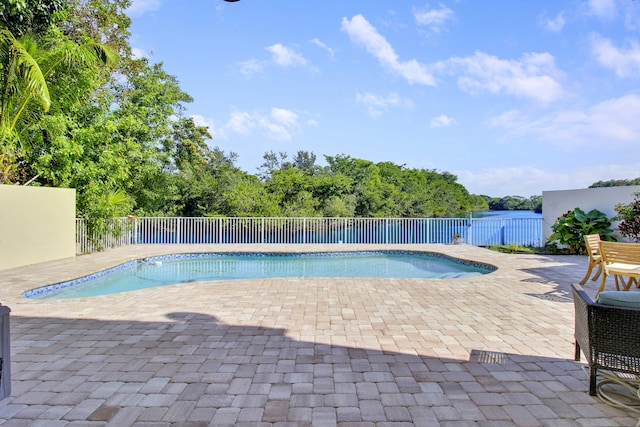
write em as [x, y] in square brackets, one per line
[598, 273]
[627, 284]
[586, 276]
[603, 282]
[592, 381]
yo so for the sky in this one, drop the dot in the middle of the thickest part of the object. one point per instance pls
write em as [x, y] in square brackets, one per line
[513, 97]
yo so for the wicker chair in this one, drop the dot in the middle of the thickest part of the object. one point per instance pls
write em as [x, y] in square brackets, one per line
[608, 336]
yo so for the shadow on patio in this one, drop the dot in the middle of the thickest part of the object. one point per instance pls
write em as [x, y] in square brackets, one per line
[194, 370]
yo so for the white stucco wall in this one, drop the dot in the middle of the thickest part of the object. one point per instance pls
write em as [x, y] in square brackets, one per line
[556, 203]
[36, 225]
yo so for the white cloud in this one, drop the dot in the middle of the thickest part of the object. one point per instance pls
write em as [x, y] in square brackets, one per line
[250, 67]
[435, 19]
[279, 124]
[613, 122]
[625, 62]
[529, 181]
[631, 15]
[376, 105]
[285, 56]
[138, 53]
[140, 7]
[603, 9]
[281, 56]
[534, 76]
[203, 121]
[554, 24]
[273, 130]
[330, 51]
[364, 34]
[612, 10]
[442, 121]
[521, 180]
[287, 118]
[241, 123]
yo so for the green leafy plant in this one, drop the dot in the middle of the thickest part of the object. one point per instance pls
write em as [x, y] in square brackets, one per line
[572, 226]
[629, 214]
[515, 249]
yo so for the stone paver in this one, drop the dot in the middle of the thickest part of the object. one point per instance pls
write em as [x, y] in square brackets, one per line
[493, 350]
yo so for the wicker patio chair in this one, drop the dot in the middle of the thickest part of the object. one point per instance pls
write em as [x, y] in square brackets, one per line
[608, 336]
[592, 243]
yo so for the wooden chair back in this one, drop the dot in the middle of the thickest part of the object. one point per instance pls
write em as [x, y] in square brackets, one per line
[620, 260]
[619, 252]
[592, 243]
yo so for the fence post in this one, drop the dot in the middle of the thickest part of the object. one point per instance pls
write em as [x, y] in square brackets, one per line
[386, 231]
[344, 231]
[134, 235]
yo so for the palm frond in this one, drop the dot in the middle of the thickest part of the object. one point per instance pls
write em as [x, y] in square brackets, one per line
[29, 70]
[22, 80]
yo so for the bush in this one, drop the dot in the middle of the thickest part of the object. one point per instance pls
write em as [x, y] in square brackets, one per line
[630, 216]
[571, 228]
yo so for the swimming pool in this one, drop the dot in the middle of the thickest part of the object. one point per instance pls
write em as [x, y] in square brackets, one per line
[200, 267]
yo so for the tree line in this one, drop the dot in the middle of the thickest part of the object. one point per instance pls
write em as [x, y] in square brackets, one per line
[79, 110]
[510, 203]
[615, 183]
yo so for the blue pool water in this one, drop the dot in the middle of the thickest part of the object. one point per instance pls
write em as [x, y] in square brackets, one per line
[184, 268]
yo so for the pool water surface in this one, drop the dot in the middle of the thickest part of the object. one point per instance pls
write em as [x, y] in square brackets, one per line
[201, 267]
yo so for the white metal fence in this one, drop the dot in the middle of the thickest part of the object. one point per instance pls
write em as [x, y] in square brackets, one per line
[117, 232]
[181, 230]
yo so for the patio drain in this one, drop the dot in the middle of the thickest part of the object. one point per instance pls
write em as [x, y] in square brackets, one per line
[492, 357]
[552, 296]
[539, 280]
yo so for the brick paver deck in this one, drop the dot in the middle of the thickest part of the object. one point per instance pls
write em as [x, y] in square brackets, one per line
[495, 350]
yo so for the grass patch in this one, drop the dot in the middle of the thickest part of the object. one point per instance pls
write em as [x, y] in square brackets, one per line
[521, 249]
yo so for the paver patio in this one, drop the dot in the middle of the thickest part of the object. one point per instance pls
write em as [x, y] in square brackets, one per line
[494, 350]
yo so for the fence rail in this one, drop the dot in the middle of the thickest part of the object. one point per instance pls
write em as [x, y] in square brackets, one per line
[182, 230]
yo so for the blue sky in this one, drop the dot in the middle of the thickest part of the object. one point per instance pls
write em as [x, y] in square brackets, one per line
[513, 97]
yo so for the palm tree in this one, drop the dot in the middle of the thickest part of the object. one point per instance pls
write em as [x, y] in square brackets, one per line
[24, 91]
[21, 80]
